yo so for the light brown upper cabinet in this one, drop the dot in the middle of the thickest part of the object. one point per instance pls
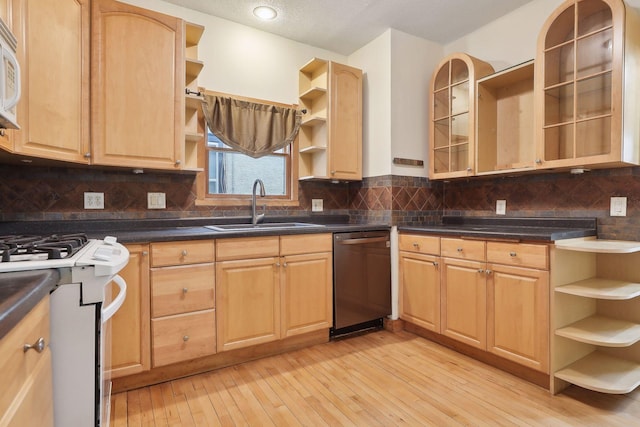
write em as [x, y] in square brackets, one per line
[452, 116]
[505, 131]
[330, 138]
[586, 86]
[53, 112]
[137, 87]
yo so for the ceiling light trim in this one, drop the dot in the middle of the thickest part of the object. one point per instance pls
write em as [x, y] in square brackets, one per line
[265, 13]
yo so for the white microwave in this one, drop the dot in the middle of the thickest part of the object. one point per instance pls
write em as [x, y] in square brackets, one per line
[9, 78]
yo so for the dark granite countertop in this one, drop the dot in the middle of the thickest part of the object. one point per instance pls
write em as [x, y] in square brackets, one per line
[158, 230]
[21, 291]
[517, 229]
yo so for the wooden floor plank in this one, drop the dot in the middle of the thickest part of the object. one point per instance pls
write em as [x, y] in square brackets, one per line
[377, 379]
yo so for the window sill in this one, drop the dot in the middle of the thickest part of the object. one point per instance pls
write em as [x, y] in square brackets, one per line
[245, 202]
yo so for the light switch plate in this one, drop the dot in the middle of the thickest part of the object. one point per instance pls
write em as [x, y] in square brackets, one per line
[156, 201]
[316, 205]
[618, 206]
[501, 207]
[93, 200]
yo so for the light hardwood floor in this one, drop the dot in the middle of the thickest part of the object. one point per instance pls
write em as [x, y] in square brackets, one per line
[377, 379]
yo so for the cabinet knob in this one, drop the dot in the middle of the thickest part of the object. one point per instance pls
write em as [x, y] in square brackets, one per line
[178, 162]
[538, 161]
[480, 270]
[333, 172]
[277, 264]
[512, 254]
[2, 132]
[185, 338]
[469, 169]
[435, 263]
[145, 253]
[488, 272]
[87, 155]
[416, 245]
[185, 290]
[459, 249]
[184, 252]
[37, 346]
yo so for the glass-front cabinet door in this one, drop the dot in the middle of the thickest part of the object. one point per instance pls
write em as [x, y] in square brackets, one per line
[583, 89]
[452, 115]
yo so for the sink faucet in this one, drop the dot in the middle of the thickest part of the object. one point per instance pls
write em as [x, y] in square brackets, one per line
[256, 219]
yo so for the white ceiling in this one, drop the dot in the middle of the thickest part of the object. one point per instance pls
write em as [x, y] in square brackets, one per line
[343, 26]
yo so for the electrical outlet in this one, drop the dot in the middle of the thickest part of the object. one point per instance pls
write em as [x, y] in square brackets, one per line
[156, 201]
[618, 206]
[94, 200]
[501, 207]
[316, 205]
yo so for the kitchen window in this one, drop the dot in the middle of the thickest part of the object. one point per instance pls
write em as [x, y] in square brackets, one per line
[229, 174]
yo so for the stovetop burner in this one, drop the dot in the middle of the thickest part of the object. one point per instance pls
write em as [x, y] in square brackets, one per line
[29, 248]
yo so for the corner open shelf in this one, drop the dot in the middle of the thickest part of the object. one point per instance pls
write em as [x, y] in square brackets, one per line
[596, 311]
[193, 125]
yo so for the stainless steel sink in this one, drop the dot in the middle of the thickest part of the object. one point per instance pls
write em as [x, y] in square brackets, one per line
[264, 226]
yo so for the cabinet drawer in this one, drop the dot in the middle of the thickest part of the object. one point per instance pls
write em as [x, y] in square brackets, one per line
[247, 247]
[182, 289]
[518, 254]
[305, 244]
[178, 253]
[420, 244]
[183, 337]
[17, 365]
[463, 249]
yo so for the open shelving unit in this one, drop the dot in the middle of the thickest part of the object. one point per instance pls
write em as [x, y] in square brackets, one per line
[193, 126]
[596, 315]
[505, 128]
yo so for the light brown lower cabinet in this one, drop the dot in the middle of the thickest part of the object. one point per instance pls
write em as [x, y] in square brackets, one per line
[183, 319]
[26, 395]
[518, 315]
[131, 335]
[248, 301]
[464, 301]
[270, 288]
[494, 296]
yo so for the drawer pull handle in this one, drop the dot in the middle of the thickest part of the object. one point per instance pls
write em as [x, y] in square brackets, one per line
[184, 252]
[37, 346]
[185, 338]
[459, 249]
[416, 245]
[512, 254]
[185, 290]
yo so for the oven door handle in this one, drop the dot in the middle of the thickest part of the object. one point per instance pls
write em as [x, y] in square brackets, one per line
[115, 305]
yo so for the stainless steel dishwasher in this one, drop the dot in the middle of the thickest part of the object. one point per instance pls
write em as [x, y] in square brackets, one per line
[361, 281]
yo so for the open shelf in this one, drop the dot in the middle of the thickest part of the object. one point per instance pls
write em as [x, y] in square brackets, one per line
[602, 289]
[193, 67]
[313, 121]
[600, 246]
[313, 94]
[193, 101]
[602, 373]
[603, 331]
[312, 149]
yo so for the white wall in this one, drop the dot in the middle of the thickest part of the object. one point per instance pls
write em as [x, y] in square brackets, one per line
[243, 61]
[411, 58]
[375, 61]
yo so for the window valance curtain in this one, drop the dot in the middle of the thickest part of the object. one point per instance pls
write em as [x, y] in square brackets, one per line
[251, 128]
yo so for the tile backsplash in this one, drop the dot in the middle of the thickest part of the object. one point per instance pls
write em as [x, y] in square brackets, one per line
[56, 193]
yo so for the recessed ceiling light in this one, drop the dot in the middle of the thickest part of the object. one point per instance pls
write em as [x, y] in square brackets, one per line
[265, 13]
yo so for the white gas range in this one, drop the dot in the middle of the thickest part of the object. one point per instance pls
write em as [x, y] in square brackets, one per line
[79, 328]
